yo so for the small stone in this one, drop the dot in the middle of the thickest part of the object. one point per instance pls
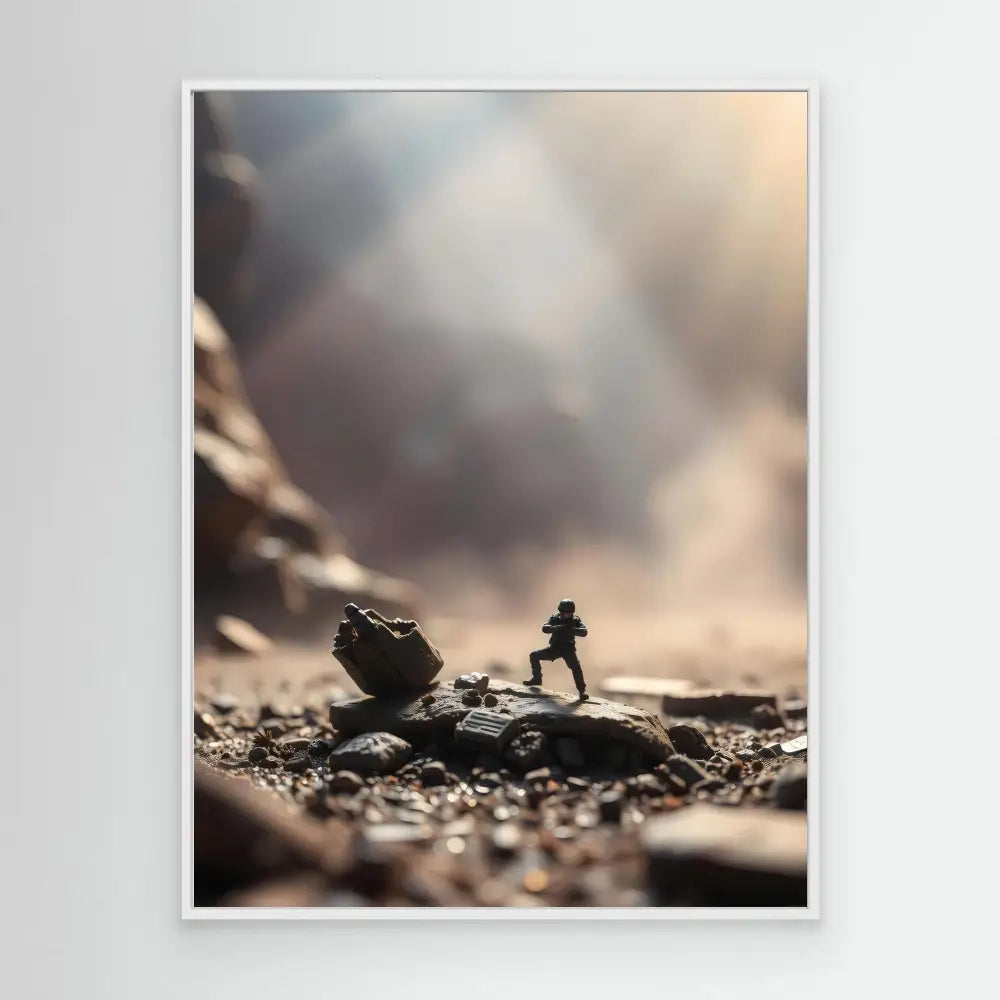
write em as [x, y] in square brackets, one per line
[791, 786]
[256, 755]
[610, 804]
[270, 763]
[569, 752]
[295, 746]
[427, 699]
[690, 742]
[319, 748]
[578, 784]
[765, 717]
[299, 763]
[734, 771]
[433, 774]
[472, 697]
[371, 753]
[796, 747]
[489, 700]
[345, 782]
[542, 774]
[475, 681]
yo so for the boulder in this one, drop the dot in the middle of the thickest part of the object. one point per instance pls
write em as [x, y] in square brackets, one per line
[385, 657]
[412, 717]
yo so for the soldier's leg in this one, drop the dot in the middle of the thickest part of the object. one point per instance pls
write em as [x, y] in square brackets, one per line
[535, 658]
[573, 662]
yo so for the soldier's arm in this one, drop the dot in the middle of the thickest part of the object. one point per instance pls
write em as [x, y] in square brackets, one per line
[579, 628]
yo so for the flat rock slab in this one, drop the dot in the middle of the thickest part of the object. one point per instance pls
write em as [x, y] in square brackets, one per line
[419, 717]
[648, 687]
[723, 706]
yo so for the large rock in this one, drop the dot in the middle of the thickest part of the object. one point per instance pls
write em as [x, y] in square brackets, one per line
[720, 856]
[422, 719]
[385, 657]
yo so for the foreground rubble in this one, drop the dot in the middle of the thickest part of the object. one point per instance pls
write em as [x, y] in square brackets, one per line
[389, 802]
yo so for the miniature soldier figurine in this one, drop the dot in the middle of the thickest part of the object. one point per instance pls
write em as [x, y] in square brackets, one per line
[562, 628]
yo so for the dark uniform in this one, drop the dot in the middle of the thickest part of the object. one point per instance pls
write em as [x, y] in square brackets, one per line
[562, 634]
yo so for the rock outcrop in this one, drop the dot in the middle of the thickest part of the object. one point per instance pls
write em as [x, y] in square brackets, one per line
[422, 718]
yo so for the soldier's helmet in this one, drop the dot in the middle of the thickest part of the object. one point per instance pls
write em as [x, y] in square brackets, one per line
[567, 605]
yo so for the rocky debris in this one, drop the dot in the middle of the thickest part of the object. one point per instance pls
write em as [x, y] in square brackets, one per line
[550, 712]
[796, 747]
[690, 742]
[719, 856]
[527, 750]
[723, 706]
[371, 753]
[575, 831]
[472, 698]
[789, 790]
[490, 700]
[345, 782]
[766, 717]
[477, 681]
[384, 657]
[234, 635]
[645, 687]
[485, 729]
[569, 752]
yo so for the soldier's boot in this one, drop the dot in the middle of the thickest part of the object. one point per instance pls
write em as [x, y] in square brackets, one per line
[535, 679]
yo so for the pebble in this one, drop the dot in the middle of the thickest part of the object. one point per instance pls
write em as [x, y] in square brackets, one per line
[765, 717]
[475, 681]
[527, 749]
[472, 697]
[433, 774]
[345, 781]
[299, 763]
[256, 755]
[296, 746]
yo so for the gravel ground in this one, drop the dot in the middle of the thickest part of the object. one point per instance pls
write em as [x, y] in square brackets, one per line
[277, 823]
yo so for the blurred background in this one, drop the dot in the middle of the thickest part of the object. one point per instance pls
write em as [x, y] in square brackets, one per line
[464, 354]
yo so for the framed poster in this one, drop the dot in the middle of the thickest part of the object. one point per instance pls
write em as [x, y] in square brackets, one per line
[506, 397]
